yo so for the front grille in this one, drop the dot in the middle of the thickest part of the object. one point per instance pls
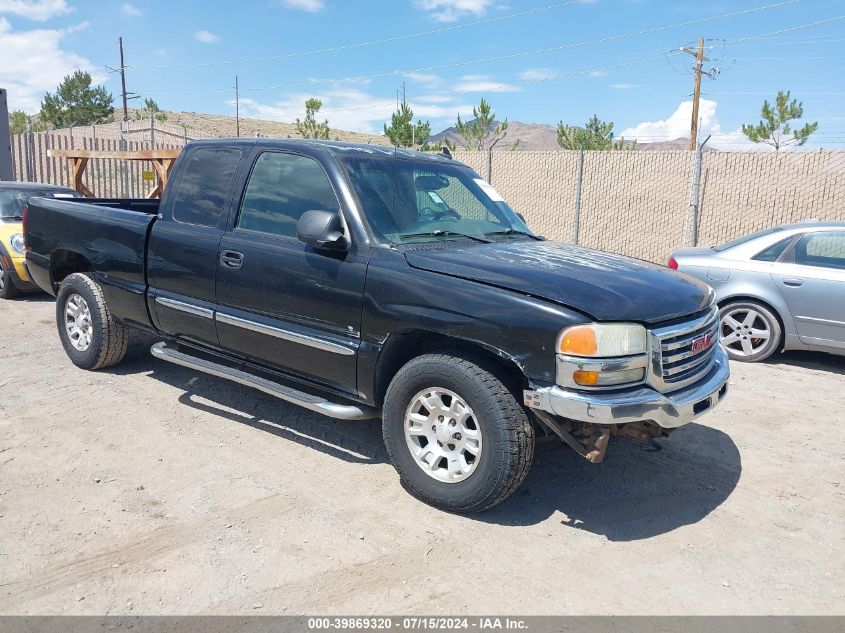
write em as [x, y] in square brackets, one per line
[674, 363]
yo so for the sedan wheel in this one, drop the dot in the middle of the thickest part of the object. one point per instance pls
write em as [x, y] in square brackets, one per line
[749, 331]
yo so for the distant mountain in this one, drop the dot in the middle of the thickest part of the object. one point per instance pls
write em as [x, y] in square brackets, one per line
[531, 136]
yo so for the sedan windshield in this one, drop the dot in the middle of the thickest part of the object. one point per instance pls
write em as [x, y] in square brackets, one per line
[411, 201]
[12, 202]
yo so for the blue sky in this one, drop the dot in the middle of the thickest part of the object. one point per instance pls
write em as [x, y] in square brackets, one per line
[639, 81]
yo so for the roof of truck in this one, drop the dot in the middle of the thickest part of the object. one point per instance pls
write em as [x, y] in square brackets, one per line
[30, 186]
[336, 148]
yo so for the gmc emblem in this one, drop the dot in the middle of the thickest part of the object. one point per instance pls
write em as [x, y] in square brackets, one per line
[702, 343]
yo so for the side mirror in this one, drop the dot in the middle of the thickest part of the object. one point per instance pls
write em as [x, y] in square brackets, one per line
[322, 230]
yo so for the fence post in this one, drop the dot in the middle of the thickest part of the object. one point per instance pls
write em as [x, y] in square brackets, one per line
[695, 201]
[124, 176]
[579, 178]
[490, 165]
[152, 129]
[29, 153]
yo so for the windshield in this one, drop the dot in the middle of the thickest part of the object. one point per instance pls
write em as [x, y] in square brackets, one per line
[744, 239]
[412, 201]
[12, 202]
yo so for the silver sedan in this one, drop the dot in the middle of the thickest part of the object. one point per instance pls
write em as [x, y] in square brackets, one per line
[778, 289]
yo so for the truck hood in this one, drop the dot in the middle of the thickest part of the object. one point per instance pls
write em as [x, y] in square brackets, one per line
[604, 286]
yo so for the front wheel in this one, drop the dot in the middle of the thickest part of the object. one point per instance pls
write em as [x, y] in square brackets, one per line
[456, 435]
[90, 335]
[8, 289]
[749, 331]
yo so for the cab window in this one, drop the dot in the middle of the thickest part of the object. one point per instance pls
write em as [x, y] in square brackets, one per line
[281, 188]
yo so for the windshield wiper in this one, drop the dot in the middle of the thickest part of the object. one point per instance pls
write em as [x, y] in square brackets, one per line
[444, 233]
[515, 232]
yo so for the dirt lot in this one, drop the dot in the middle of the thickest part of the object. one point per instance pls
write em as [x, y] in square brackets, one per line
[149, 489]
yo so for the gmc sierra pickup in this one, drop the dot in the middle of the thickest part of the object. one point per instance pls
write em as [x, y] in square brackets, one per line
[360, 281]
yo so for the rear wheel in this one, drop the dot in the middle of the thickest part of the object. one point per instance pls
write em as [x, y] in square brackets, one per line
[8, 289]
[456, 435]
[90, 335]
[749, 331]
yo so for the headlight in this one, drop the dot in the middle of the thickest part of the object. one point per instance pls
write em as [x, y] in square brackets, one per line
[596, 355]
[17, 243]
[603, 340]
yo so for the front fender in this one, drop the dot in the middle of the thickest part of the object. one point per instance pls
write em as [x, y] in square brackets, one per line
[516, 327]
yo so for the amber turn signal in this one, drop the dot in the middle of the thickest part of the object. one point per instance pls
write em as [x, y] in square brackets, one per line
[579, 340]
[586, 378]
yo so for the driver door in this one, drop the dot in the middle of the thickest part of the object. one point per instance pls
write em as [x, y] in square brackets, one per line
[279, 300]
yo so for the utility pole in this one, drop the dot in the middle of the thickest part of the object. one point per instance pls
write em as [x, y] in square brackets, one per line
[122, 70]
[123, 81]
[237, 109]
[696, 95]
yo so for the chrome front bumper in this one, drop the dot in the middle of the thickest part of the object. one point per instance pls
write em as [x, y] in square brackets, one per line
[669, 410]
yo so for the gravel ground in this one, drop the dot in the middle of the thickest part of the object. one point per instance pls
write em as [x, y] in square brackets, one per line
[148, 489]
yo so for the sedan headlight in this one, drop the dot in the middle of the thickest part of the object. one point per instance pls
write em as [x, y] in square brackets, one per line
[602, 340]
[597, 355]
[17, 243]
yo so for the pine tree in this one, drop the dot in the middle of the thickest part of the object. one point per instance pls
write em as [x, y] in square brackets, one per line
[482, 132]
[76, 102]
[403, 132]
[774, 127]
[595, 135]
[310, 128]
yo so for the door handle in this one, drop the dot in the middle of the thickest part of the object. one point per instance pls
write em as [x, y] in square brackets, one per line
[232, 259]
[793, 282]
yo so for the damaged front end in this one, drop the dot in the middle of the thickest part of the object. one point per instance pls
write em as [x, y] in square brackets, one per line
[591, 440]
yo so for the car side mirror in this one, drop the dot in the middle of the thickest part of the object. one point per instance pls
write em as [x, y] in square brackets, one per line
[323, 230]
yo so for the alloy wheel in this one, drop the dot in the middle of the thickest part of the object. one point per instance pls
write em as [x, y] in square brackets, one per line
[443, 435]
[745, 331]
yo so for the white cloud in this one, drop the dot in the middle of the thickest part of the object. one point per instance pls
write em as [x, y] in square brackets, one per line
[305, 5]
[678, 126]
[624, 86]
[38, 10]
[423, 78]
[537, 74]
[34, 62]
[483, 83]
[206, 37]
[131, 10]
[354, 110]
[451, 10]
[598, 73]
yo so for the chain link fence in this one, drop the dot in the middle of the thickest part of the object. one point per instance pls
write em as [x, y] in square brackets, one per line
[648, 203]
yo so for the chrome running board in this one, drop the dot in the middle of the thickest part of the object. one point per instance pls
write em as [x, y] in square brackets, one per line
[288, 394]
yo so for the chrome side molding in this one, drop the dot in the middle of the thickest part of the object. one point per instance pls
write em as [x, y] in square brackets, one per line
[288, 394]
[287, 335]
[186, 307]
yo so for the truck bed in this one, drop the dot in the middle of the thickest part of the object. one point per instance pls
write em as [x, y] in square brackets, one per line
[108, 234]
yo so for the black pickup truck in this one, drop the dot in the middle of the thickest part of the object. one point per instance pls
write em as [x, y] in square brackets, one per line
[361, 281]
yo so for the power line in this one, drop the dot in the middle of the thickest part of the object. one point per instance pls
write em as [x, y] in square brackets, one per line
[499, 58]
[385, 40]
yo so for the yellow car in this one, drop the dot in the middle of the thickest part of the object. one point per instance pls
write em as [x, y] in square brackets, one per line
[13, 199]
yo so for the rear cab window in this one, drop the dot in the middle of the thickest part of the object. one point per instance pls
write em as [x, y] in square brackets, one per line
[202, 190]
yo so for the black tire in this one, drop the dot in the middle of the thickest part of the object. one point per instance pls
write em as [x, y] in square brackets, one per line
[109, 339]
[765, 317]
[8, 289]
[507, 434]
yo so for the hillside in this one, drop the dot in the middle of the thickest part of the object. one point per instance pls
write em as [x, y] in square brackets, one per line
[215, 125]
[531, 136]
